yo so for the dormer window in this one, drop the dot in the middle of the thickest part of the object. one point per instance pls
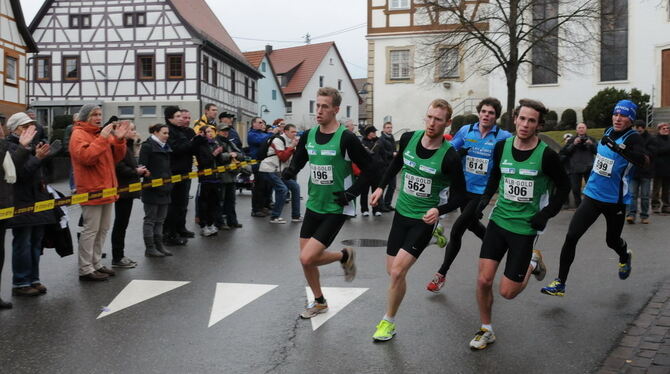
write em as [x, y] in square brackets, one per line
[80, 21]
[134, 19]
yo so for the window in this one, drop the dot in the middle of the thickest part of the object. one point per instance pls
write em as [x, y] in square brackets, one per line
[614, 44]
[175, 66]
[399, 67]
[274, 95]
[311, 106]
[253, 90]
[246, 87]
[449, 62]
[348, 111]
[127, 111]
[11, 70]
[136, 19]
[545, 52]
[71, 68]
[321, 81]
[215, 73]
[339, 84]
[43, 68]
[205, 69]
[232, 81]
[263, 67]
[148, 111]
[399, 4]
[289, 107]
[146, 67]
[80, 21]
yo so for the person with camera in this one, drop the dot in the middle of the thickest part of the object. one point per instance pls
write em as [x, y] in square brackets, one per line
[580, 151]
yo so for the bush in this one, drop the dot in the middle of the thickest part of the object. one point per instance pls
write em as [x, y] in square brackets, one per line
[456, 123]
[598, 111]
[568, 119]
[549, 125]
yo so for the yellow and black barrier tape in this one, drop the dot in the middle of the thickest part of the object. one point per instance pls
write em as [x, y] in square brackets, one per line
[41, 206]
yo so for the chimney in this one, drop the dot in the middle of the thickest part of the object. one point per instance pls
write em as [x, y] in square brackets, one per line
[268, 49]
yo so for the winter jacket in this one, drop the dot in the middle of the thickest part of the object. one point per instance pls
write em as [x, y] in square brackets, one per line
[94, 160]
[580, 156]
[279, 155]
[29, 189]
[203, 121]
[660, 147]
[648, 172]
[156, 159]
[256, 138]
[388, 142]
[19, 156]
[126, 171]
[181, 158]
[228, 147]
[202, 149]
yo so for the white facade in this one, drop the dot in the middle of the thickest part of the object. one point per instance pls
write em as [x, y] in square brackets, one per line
[334, 74]
[13, 52]
[270, 95]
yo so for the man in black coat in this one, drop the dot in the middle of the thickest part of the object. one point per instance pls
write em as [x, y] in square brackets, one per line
[375, 147]
[640, 184]
[181, 162]
[388, 152]
[660, 146]
[580, 151]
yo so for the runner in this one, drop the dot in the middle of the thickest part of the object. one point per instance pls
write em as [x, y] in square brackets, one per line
[523, 171]
[330, 150]
[606, 193]
[429, 166]
[475, 144]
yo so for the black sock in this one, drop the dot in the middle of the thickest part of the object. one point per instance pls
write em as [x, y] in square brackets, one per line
[320, 300]
[345, 256]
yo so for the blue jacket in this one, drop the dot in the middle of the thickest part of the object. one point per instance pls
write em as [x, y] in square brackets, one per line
[256, 138]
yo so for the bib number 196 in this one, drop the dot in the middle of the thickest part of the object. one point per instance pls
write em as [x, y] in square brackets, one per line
[321, 174]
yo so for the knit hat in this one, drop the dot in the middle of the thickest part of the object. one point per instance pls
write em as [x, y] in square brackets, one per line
[18, 119]
[368, 130]
[169, 112]
[626, 108]
[86, 110]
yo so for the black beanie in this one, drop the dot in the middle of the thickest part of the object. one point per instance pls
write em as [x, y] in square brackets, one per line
[169, 112]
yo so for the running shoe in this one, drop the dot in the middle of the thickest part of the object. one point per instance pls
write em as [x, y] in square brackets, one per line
[349, 266]
[296, 219]
[313, 309]
[385, 331]
[482, 339]
[436, 284]
[624, 269]
[378, 214]
[440, 239]
[366, 214]
[555, 288]
[124, 263]
[277, 220]
[540, 270]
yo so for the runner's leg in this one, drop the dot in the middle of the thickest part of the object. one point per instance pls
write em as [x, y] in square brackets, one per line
[585, 215]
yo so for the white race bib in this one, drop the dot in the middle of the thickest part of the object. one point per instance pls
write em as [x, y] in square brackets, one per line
[417, 186]
[519, 190]
[321, 174]
[476, 165]
[603, 166]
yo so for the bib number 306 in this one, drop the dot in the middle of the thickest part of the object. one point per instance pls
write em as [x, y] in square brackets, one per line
[519, 190]
[321, 174]
[417, 186]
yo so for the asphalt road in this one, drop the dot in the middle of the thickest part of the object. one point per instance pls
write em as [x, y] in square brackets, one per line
[60, 332]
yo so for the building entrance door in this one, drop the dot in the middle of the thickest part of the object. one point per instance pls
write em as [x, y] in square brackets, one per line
[665, 79]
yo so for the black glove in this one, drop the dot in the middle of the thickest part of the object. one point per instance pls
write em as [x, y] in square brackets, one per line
[611, 144]
[539, 221]
[342, 198]
[288, 174]
[463, 152]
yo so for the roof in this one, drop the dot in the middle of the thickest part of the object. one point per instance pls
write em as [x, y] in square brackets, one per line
[21, 24]
[303, 60]
[255, 58]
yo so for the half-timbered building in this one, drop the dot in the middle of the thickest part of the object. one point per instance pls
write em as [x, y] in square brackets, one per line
[136, 57]
[15, 45]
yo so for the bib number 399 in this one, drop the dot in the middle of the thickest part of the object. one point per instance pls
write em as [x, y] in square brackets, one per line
[321, 174]
[603, 166]
[519, 190]
[417, 186]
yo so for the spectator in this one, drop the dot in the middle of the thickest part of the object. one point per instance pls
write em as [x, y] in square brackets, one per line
[388, 152]
[256, 137]
[279, 123]
[640, 183]
[155, 157]
[127, 172]
[228, 120]
[580, 152]
[94, 154]
[181, 162]
[20, 178]
[278, 159]
[374, 146]
[231, 155]
[41, 136]
[66, 146]
[209, 118]
[208, 155]
[349, 124]
[660, 146]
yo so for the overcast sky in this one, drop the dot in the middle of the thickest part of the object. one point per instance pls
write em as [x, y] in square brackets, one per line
[284, 24]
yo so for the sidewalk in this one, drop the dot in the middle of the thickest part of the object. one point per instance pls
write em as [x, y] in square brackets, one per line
[645, 346]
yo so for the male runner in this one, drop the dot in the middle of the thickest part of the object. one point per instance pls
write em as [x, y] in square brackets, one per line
[523, 171]
[606, 193]
[429, 166]
[330, 150]
[475, 144]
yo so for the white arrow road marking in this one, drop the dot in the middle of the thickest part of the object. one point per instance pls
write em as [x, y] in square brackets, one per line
[138, 291]
[337, 298]
[230, 297]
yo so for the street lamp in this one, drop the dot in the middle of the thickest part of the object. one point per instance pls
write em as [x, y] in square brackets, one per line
[363, 91]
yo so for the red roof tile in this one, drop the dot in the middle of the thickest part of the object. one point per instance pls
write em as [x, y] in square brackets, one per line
[306, 58]
[254, 58]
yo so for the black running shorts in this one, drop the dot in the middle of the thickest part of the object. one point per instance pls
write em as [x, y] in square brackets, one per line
[412, 235]
[519, 250]
[322, 227]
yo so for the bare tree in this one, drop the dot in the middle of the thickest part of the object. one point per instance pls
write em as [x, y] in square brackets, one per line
[515, 34]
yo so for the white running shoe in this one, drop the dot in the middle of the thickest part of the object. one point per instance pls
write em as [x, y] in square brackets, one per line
[482, 339]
